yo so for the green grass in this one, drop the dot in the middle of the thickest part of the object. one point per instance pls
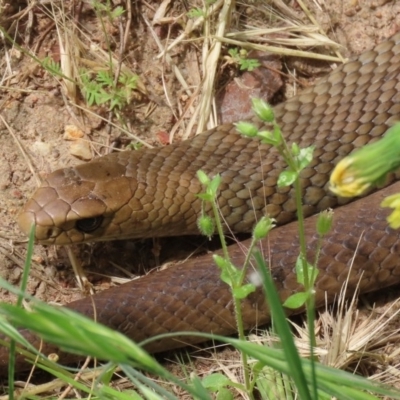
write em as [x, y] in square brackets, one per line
[86, 337]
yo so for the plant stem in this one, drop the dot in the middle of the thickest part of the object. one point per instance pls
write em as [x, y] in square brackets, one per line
[249, 254]
[310, 305]
[236, 301]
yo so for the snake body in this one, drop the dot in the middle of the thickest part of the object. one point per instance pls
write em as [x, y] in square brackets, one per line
[151, 193]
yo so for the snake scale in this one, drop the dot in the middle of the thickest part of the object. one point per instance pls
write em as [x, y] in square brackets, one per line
[152, 192]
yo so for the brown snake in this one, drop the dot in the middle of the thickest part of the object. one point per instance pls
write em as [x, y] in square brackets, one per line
[150, 193]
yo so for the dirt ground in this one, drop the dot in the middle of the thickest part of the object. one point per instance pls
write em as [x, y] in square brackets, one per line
[36, 109]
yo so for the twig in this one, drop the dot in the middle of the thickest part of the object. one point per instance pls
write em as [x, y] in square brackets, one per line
[21, 149]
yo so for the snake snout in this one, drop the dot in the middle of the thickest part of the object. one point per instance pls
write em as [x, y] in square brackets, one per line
[25, 220]
[43, 234]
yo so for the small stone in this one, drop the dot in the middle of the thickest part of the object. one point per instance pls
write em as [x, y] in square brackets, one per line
[42, 148]
[81, 149]
[72, 132]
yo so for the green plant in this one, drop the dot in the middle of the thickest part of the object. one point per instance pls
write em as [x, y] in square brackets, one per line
[86, 337]
[297, 159]
[230, 274]
[106, 9]
[196, 13]
[100, 89]
[240, 58]
[52, 66]
[81, 335]
[199, 12]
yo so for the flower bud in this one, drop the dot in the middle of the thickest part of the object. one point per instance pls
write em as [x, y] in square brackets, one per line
[263, 227]
[246, 128]
[324, 222]
[203, 178]
[206, 225]
[263, 110]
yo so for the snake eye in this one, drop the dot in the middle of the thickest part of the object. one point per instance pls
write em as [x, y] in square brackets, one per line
[88, 225]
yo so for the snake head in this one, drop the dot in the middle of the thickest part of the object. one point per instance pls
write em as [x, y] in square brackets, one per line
[78, 204]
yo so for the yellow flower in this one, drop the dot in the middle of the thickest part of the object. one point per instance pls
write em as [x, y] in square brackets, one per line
[367, 166]
[393, 201]
[344, 181]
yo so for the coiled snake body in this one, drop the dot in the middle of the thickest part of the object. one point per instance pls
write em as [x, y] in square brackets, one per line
[151, 193]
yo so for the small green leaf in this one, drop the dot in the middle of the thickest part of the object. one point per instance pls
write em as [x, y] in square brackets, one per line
[286, 178]
[195, 13]
[234, 53]
[246, 128]
[128, 81]
[205, 196]
[105, 78]
[243, 291]
[224, 394]
[203, 178]
[296, 300]
[50, 65]
[220, 261]
[305, 156]
[212, 188]
[229, 273]
[277, 134]
[215, 381]
[274, 137]
[249, 64]
[312, 272]
[117, 12]
[267, 137]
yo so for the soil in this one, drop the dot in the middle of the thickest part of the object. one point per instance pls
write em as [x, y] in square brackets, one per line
[36, 109]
